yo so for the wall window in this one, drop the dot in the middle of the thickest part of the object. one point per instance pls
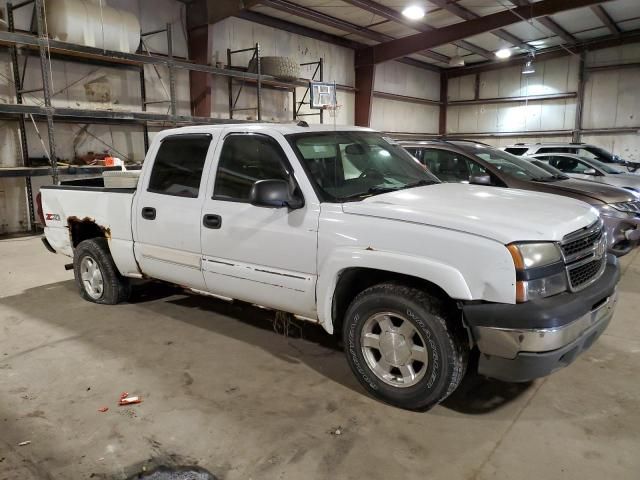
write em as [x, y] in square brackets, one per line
[245, 159]
[177, 169]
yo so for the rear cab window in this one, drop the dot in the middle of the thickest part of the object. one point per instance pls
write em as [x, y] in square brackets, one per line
[178, 165]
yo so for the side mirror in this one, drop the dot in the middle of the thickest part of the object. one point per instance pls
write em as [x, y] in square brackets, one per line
[274, 194]
[590, 171]
[480, 180]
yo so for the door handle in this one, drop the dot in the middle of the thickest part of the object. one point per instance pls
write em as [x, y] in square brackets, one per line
[149, 213]
[212, 221]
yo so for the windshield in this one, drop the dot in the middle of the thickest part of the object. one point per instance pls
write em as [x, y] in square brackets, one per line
[606, 167]
[348, 166]
[513, 166]
[552, 170]
[595, 153]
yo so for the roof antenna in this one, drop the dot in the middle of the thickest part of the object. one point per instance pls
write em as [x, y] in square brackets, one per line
[302, 123]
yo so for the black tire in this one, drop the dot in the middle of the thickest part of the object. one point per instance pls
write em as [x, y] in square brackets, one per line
[115, 287]
[446, 349]
[284, 68]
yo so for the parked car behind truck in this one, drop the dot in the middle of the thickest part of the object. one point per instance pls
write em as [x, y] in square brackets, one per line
[584, 150]
[593, 170]
[342, 228]
[472, 162]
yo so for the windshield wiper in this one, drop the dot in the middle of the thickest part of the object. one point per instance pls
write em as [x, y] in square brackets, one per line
[419, 183]
[544, 179]
[375, 190]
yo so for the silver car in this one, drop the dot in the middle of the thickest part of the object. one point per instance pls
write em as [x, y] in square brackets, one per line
[588, 169]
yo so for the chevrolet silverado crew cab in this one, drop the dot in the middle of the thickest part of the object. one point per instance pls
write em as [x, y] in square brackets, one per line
[343, 228]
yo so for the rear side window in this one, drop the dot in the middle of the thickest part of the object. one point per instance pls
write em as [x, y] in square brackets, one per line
[178, 166]
[516, 150]
[245, 159]
[556, 150]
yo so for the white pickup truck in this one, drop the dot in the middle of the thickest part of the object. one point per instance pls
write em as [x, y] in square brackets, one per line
[344, 228]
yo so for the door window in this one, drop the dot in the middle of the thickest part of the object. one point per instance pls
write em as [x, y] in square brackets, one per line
[245, 159]
[177, 169]
[451, 166]
[568, 164]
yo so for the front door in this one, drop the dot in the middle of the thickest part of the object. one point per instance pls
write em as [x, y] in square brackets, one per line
[168, 211]
[263, 255]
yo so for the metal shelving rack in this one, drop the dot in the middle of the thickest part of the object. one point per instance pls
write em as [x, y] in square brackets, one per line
[22, 44]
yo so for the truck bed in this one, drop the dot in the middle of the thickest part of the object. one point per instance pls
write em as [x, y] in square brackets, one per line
[70, 208]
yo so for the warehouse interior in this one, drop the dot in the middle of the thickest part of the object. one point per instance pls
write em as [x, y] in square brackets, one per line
[229, 390]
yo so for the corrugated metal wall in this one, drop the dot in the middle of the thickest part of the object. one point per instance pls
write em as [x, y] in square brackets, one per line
[403, 116]
[611, 101]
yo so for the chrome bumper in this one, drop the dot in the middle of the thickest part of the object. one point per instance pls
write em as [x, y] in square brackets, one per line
[507, 343]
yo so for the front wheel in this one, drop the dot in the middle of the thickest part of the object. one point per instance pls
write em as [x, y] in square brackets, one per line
[96, 274]
[400, 347]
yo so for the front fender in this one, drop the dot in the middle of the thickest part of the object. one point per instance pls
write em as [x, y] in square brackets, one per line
[446, 277]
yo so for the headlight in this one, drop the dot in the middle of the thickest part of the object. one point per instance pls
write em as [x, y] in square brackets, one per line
[540, 270]
[616, 210]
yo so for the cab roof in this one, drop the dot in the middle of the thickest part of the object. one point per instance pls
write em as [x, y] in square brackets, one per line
[283, 128]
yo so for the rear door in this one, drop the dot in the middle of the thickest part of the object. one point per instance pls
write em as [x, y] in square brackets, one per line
[168, 208]
[259, 254]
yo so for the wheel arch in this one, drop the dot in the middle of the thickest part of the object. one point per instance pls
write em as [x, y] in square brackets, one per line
[350, 272]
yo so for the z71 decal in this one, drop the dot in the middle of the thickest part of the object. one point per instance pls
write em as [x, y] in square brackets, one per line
[52, 216]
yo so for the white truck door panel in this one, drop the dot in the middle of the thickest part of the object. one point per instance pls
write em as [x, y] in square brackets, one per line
[168, 210]
[262, 255]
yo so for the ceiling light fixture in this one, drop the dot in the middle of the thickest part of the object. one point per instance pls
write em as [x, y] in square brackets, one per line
[413, 12]
[529, 68]
[503, 53]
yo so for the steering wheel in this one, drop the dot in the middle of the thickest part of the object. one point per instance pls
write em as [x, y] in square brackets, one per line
[370, 172]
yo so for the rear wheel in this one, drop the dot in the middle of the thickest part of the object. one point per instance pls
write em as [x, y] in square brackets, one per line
[96, 275]
[400, 347]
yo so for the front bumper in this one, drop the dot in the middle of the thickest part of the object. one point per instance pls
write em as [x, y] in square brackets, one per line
[623, 234]
[529, 340]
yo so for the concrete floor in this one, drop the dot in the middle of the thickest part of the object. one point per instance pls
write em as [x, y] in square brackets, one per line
[222, 390]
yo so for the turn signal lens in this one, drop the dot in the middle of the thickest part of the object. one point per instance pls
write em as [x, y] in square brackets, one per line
[517, 256]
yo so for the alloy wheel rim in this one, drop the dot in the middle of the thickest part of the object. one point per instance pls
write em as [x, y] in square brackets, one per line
[394, 349]
[91, 277]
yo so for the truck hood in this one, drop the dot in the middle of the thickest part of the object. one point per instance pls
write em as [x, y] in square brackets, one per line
[624, 180]
[597, 191]
[505, 215]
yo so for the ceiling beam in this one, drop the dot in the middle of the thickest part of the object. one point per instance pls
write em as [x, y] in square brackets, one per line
[606, 19]
[549, 24]
[624, 38]
[397, 17]
[217, 10]
[420, 41]
[301, 30]
[333, 22]
[466, 14]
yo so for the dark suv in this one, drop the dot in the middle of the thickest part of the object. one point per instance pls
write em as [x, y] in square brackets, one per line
[471, 162]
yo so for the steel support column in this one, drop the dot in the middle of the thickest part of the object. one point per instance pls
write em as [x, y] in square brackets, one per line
[582, 78]
[444, 99]
[365, 76]
[199, 44]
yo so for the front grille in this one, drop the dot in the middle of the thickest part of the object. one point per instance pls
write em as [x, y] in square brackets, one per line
[585, 242]
[579, 276]
[584, 255]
